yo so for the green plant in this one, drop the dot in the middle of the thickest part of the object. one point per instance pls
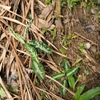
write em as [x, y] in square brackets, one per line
[86, 72]
[52, 32]
[66, 76]
[70, 36]
[32, 47]
[68, 80]
[88, 94]
[43, 96]
[72, 3]
[48, 2]
[2, 93]
[98, 16]
[78, 59]
[63, 2]
[96, 1]
[63, 51]
[64, 42]
[81, 48]
[87, 5]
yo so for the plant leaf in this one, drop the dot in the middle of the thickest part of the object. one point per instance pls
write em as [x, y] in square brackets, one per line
[27, 28]
[62, 89]
[54, 32]
[63, 51]
[43, 96]
[90, 94]
[78, 60]
[17, 36]
[66, 66]
[72, 3]
[38, 69]
[64, 41]
[71, 81]
[86, 71]
[79, 91]
[32, 52]
[72, 71]
[58, 76]
[41, 46]
[2, 93]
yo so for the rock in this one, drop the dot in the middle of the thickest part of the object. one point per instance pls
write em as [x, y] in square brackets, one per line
[14, 75]
[89, 28]
[87, 45]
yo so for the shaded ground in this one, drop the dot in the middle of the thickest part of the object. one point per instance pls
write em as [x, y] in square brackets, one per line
[76, 31]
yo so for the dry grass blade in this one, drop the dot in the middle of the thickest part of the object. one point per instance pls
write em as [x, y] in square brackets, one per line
[86, 38]
[40, 3]
[12, 20]
[60, 54]
[5, 7]
[32, 9]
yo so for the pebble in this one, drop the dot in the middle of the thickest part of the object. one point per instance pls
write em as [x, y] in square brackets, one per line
[89, 28]
[87, 45]
[14, 75]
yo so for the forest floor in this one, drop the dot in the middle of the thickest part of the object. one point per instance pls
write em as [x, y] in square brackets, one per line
[71, 31]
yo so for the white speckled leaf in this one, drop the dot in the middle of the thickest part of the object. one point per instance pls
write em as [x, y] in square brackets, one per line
[41, 46]
[38, 70]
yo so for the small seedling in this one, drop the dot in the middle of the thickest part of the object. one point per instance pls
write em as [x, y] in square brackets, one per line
[53, 32]
[72, 3]
[81, 48]
[48, 2]
[70, 36]
[63, 51]
[2, 93]
[86, 71]
[67, 75]
[98, 16]
[64, 42]
[43, 96]
[78, 59]
[63, 3]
